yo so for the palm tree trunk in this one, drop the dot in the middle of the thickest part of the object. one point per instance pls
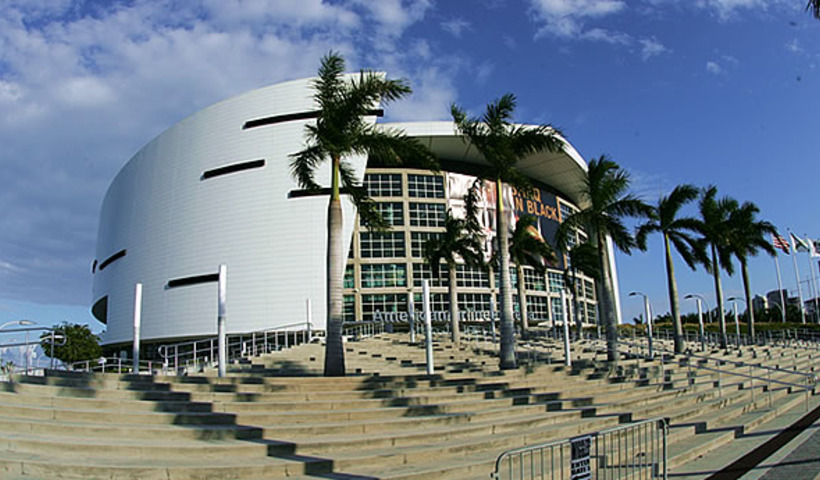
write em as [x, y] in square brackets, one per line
[747, 291]
[522, 300]
[719, 294]
[674, 302]
[607, 302]
[455, 331]
[507, 354]
[334, 350]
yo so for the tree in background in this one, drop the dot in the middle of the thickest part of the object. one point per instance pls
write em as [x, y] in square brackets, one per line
[747, 236]
[677, 231]
[341, 131]
[582, 257]
[503, 144]
[608, 201]
[715, 229]
[462, 239]
[80, 343]
[528, 248]
[814, 7]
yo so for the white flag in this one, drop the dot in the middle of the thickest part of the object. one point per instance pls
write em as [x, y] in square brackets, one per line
[814, 247]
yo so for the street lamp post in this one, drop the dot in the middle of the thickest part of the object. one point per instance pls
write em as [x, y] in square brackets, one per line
[648, 314]
[700, 300]
[737, 320]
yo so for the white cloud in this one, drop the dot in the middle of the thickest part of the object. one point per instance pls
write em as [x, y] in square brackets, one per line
[792, 45]
[565, 18]
[650, 47]
[83, 85]
[714, 68]
[456, 26]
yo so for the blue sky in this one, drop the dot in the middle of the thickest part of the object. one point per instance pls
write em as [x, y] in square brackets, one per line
[722, 92]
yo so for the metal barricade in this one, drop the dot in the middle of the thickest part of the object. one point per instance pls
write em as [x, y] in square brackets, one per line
[634, 451]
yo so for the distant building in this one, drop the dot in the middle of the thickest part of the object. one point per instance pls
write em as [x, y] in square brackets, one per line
[760, 303]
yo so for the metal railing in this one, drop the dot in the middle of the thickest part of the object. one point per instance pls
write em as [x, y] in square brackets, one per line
[756, 371]
[113, 365]
[197, 354]
[634, 451]
[362, 329]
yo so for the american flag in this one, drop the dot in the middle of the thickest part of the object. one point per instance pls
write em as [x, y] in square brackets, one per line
[781, 243]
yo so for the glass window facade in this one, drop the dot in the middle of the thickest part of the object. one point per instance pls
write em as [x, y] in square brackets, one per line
[423, 271]
[384, 275]
[556, 281]
[417, 241]
[349, 308]
[350, 277]
[381, 245]
[425, 186]
[557, 310]
[383, 184]
[383, 302]
[472, 277]
[392, 212]
[538, 308]
[534, 280]
[439, 302]
[474, 302]
[427, 214]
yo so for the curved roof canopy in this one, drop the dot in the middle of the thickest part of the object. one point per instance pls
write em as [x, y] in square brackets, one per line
[565, 171]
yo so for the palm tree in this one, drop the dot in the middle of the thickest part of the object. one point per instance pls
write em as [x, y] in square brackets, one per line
[462, 238]
[747, 236]
[528, 248]
[676, 232]
[339, 132]
[502, 145]
[814, 7]
[606, 204]
[582, 257]
[716, 232]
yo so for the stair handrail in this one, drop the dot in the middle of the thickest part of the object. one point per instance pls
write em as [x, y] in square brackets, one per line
[807, 387]
[203, 352]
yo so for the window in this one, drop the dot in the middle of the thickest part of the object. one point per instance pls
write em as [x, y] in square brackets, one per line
[557, 310]
[417, 241]
[556, 281]
[474, 302]
[381, 245]
[439, 302]
[233, 168]
[383, 184]
[472, 277]
[589, 290]
[392, 212]
[538, 308]
[425, 186]
[385, 275]
[423, 271]
[350, 274]
[427, 215]
[513, 278]
[534, 281]
[349, 308]
[383, 302]
[592, 313]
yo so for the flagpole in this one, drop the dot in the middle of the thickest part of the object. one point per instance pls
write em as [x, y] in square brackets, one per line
[797, 277]
[811, 254]
[780, 287]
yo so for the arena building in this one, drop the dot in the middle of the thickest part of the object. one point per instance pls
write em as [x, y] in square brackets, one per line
[216, 189]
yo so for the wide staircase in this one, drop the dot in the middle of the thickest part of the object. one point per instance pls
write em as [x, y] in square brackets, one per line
[274, 417]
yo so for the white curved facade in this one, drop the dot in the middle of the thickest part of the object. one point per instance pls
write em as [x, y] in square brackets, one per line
[176, 210]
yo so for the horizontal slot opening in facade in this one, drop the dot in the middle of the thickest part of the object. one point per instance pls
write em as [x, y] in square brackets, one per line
[318, 192]
[233, 168]
[113, 258]
[292, 117]
[195, 280]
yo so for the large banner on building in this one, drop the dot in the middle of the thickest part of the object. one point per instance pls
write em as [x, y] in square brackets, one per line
[538, 203]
